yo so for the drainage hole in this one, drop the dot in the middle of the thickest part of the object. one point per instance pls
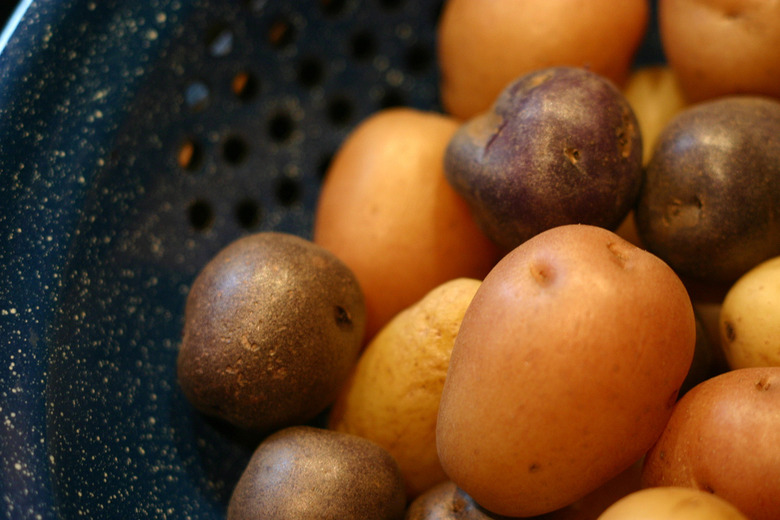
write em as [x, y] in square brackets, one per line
[310, 72]
[418, 58]
[340, 110]
[244, 85]
[281, 33]
[247, 213]
[392, 98]
[190, 155]
[281, 127]
[234, 150]
[391, 4]
[201, 215]
[363, 45]
[333, 7]
[288, 191]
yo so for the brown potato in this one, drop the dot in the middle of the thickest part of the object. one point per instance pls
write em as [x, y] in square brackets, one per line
[482, 46]
[387, 211]
[672, 503]
[722, 47]
[392, 397]
[724, 437]
[564, 371]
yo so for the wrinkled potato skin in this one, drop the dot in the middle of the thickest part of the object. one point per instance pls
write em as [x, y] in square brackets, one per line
[564, 371]
[392, 397]
[672, 503]
[750, 318]
[722, 47]
[560, 146]
[724, 437]
[387, 211]
[483, 46]
[709, 203]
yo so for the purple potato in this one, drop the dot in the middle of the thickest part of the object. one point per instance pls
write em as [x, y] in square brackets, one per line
[710, 205]
[559, 146]
[306, 473]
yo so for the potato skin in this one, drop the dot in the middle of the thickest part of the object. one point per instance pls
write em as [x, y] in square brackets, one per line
[273, 326]
[723, 437]
[672, 503]
[307, 473]
[392, 396]
[560, 146]
[722, 47]
[483, 46]
[387, 211]
[710, 204]
[749, 320]
[565, 370]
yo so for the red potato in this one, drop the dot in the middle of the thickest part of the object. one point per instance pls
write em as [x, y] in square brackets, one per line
[564, 372]
[724, 437]
[722, 47]
[482, 46]
[387, 211]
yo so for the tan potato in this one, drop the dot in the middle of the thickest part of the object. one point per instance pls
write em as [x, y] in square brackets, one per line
[724, 438]
[482, 46]
[656, 97]
[387, 211]
[722, 47]
[393, 395]
[672, 503]
[564, 371]
[750, 318]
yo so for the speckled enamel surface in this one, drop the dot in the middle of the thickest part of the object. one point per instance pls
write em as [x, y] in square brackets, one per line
[136, 139]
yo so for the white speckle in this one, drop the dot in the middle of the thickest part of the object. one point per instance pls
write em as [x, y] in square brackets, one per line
[17, 466]
[151, 34]
[161, 17]
[141, 451]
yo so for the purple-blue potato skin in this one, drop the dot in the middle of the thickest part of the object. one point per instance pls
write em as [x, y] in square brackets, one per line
[559, 146]
[710, 205]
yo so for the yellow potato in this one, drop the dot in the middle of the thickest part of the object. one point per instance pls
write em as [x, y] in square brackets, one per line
[750, 318]
[393, 395]
[655, 95]
[672, 503]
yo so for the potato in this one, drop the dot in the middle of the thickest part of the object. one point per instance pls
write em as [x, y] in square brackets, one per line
[307, 473]
[750, 318]
[483, 46]
[393, 395]
[672, 503]
[387, 211]
[709, 204]
[722, 47]
[724, 437]
[273, 326]
[559, 146]
[564, 372]
[656, 97]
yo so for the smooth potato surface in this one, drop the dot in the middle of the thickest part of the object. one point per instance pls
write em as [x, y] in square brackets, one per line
[482, 46]
[392, 397]
[750, 318]
[672, 503]
[564, 372]
[387, 211]
[724, 437]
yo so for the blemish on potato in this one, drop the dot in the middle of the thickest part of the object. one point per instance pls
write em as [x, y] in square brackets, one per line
[572, 155]
[343, 318]
[763, 384]
[681, 214]
[731, 335]
[625, 134]
[543, 273]
[533, 468]
[618, 252]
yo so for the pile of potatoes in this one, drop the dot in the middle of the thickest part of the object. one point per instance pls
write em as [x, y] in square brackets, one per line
[558, 298]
